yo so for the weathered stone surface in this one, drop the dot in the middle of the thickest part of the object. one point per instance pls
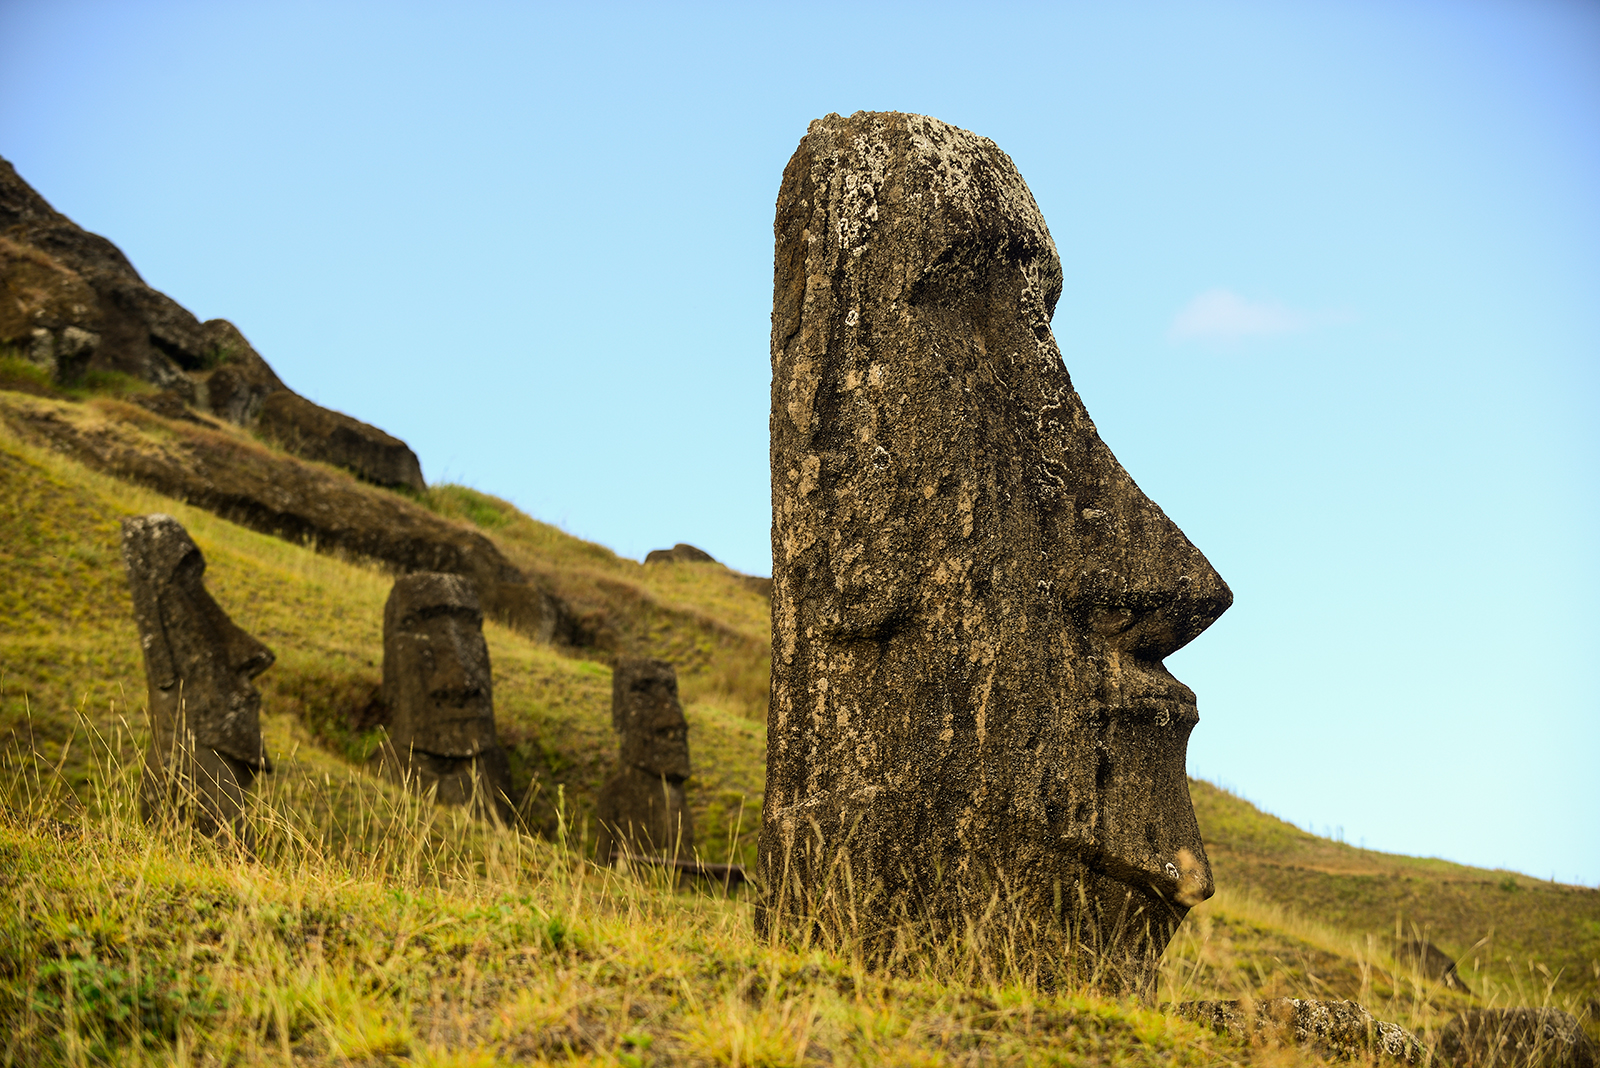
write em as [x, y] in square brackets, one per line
[243, 482]
[331, 437]
[1340, 1028]
[1431, 961]
[72, 302]
[971, 598]
[42, 304]
[240, 381]
[681, 553]
[1516, 1038]
[642, 808]
[440, 694]
[137, 330]
[205, 745]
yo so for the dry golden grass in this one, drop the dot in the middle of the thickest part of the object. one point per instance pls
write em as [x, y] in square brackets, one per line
[369, 927]
[373, 928]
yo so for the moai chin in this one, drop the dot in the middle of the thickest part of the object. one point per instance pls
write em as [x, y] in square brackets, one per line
[642, 807]
[205, 744]
[971, 598]
[440, 695]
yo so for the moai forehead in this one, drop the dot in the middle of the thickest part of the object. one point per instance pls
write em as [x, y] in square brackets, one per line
[425, 595]
[198, 662]
[646, 712]
[436, 674]
[971, 597]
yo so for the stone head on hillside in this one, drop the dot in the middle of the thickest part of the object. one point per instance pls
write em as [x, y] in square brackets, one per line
[205, 746]
[439, 691]
[642, 806]
[971, 598]
[646, 713]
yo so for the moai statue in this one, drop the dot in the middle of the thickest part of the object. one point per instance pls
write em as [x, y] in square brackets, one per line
[970, 719]
[440, 695]
[205, 744]
[641, 807]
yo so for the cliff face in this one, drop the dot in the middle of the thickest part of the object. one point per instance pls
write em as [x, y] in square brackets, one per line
[71, 303]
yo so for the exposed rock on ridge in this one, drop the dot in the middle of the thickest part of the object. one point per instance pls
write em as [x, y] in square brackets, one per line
[71, 302]
[244, 482]
[1342, 1029]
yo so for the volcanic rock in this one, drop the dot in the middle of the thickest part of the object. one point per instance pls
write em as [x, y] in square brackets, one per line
[1516, 1038]
[316, 433]
[205, 745]
[1432, 961]
[245, 483]
[971, 598]
[681, 553]
[72, 302]
[642, 808]
[440, 695]
[1340, 1028]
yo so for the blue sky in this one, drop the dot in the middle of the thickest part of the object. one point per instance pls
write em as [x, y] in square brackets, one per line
[1332, 296]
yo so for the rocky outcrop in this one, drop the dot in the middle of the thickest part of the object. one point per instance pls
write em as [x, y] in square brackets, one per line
[305, 429]
[684, 553]
[971, 598]
[1516, 1038]
[1431, 961]
[239, 480]
[681, 553]
[1338, 1028]
[71, 302]
[205, 733]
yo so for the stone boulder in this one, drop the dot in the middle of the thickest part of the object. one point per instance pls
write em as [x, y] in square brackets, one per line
[205, 742]
[971, 599]
[83, 282]
[439, 692]
[642, 807]
[316, 433]
[1338, 1028]
[1431, 961]
[71, 302]
[681, 553]
[1516, 1038]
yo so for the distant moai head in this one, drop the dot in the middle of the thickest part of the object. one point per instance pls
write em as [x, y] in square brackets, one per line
[198, 668]
[971, 598]
[642, 807]
[645, 711]
[436, 678]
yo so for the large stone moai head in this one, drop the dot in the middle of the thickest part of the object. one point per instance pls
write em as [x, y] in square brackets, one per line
[440, 694]
[642, 807]
[971, 598]
[205, 745]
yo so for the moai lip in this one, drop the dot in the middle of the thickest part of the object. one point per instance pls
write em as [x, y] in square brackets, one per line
[971, 598]
[642, 807]
[440, 694]
[205, 745]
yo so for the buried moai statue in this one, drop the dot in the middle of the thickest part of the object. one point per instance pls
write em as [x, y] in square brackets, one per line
[641, 808]
[205, 744]
[972, 599]
[440, 695]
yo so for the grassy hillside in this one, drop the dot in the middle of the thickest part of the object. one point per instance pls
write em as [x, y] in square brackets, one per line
[1512, 936]
[372, 928]
[67, 640]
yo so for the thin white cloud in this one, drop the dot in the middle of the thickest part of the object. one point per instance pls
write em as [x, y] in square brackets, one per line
[1222, 315]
